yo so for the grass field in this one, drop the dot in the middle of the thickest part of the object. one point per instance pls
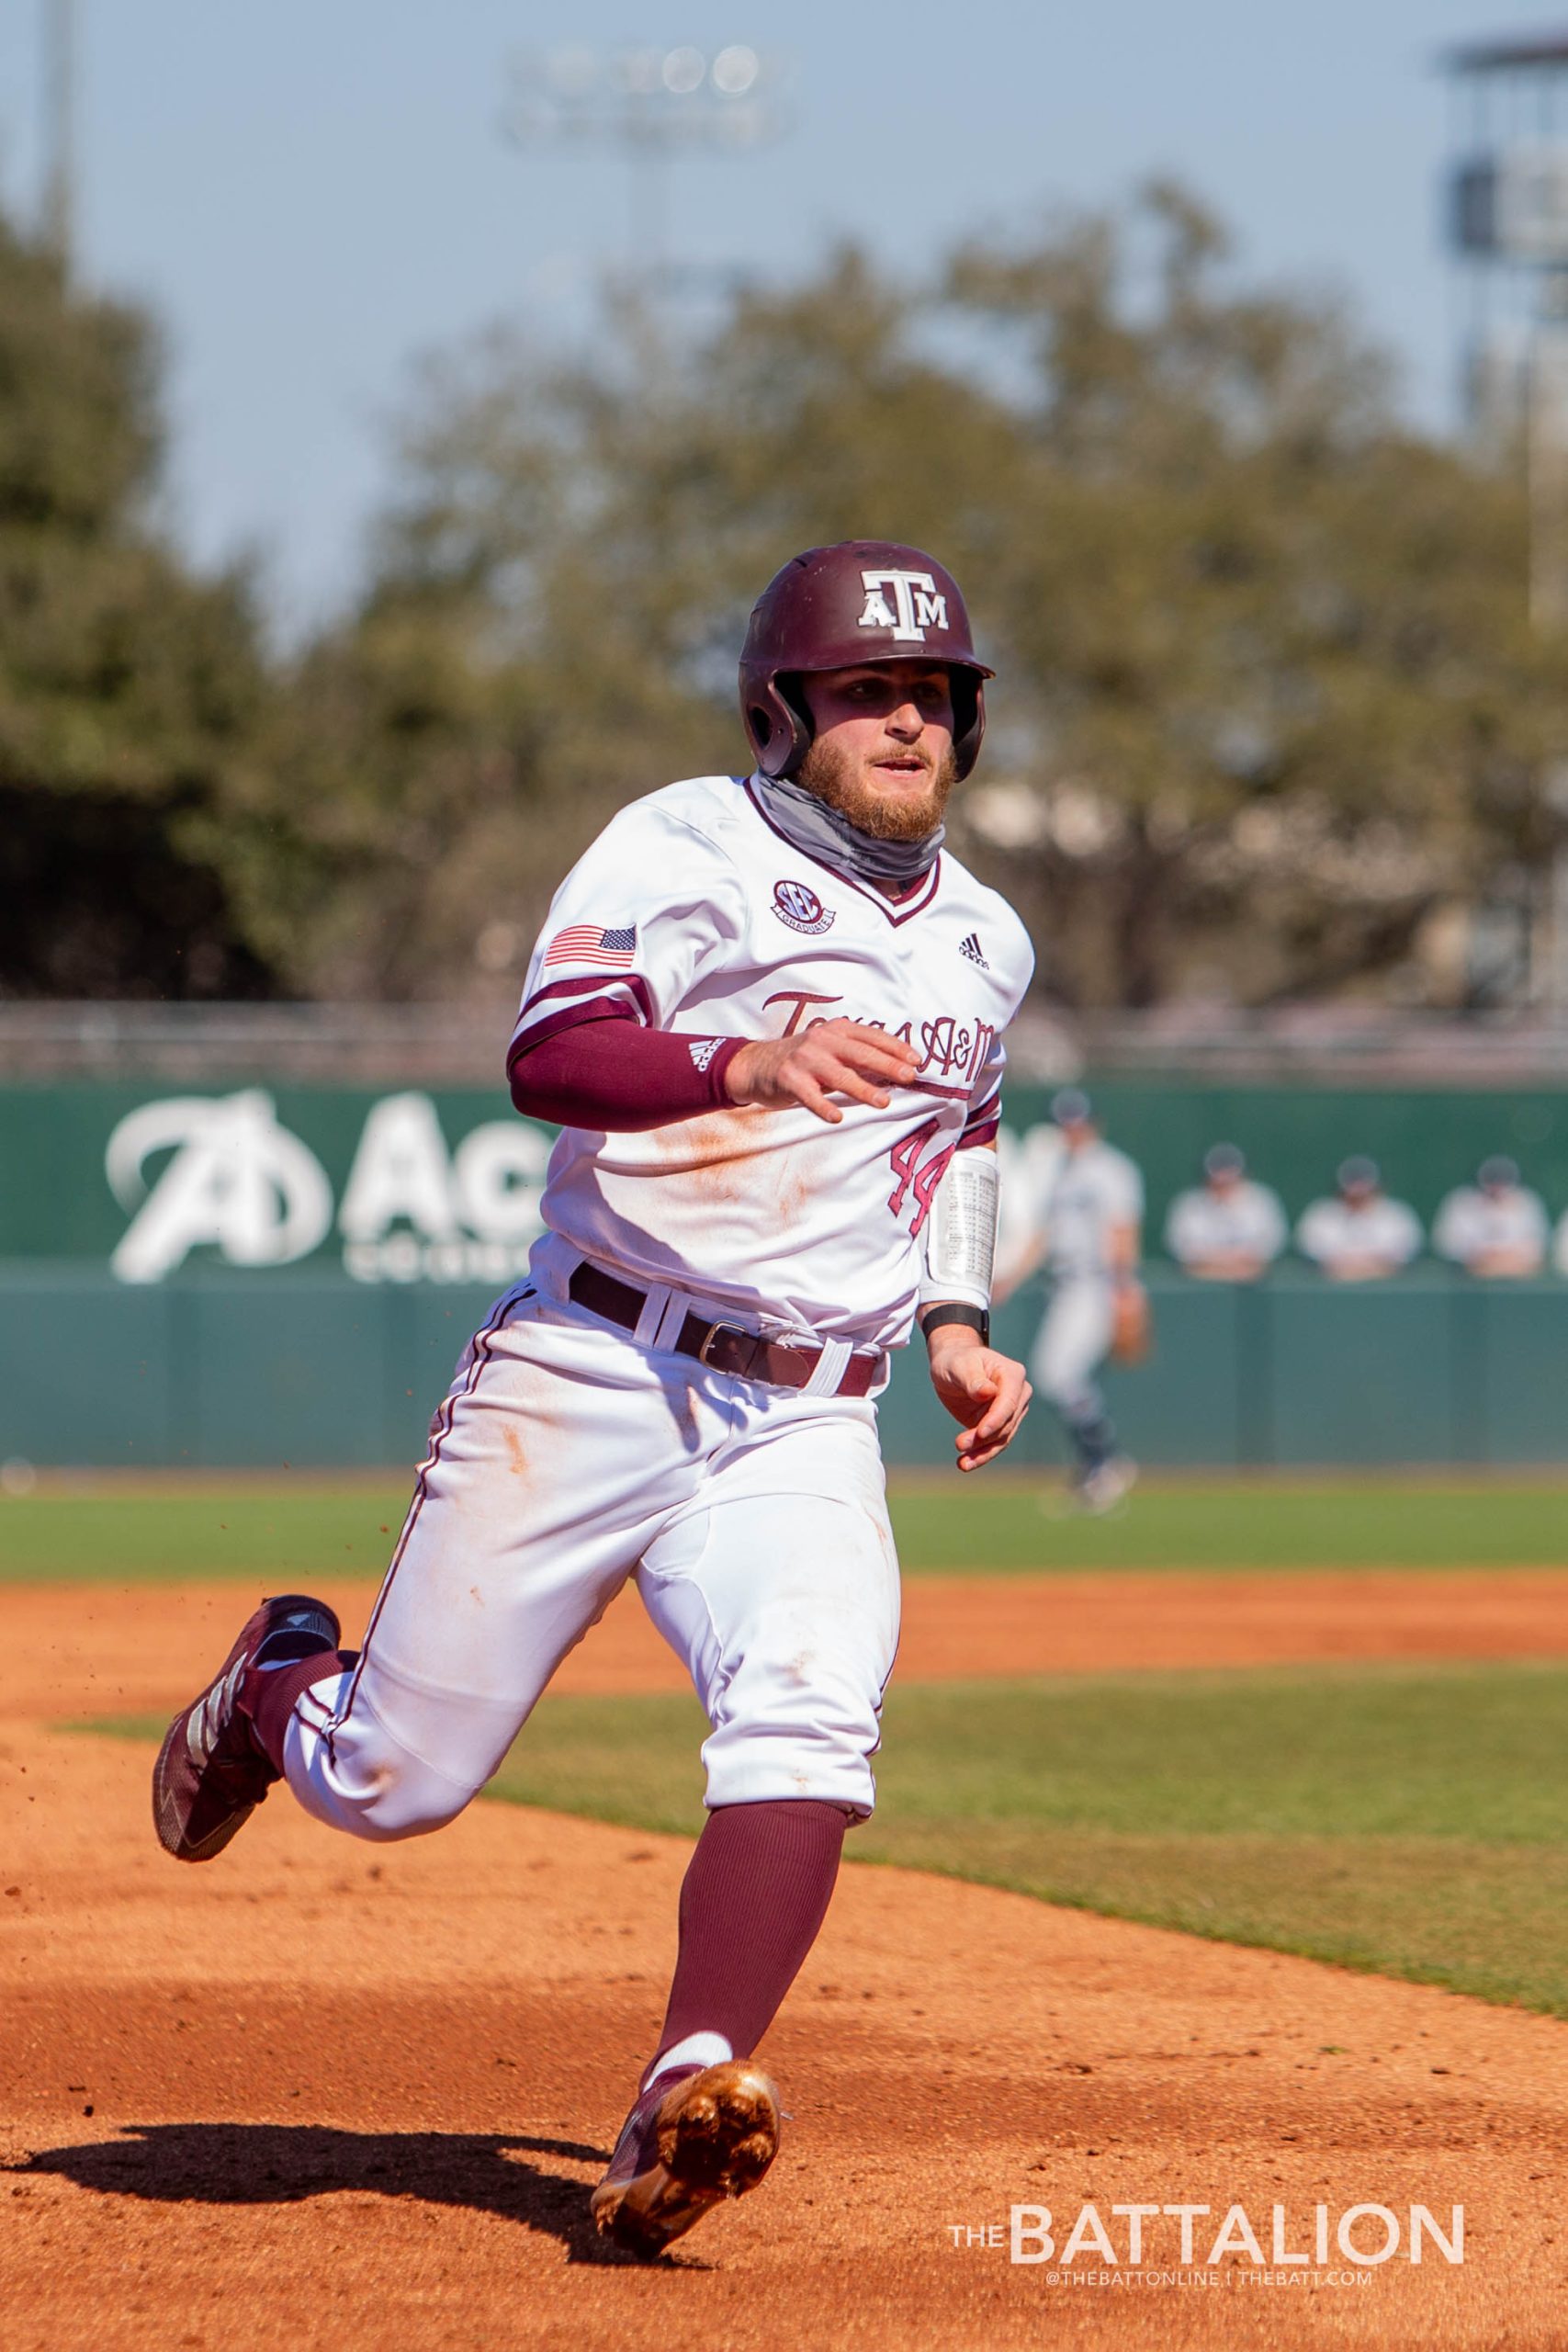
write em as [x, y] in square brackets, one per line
[948, 1527]
[1414, 1821]
[1410, 1820]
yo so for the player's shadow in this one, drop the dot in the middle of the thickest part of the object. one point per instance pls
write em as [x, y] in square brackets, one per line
[281, 2163]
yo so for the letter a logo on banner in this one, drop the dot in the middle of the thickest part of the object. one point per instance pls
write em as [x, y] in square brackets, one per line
[237, 1180]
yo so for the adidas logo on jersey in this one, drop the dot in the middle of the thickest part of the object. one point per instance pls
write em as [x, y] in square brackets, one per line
[971, 949]
[702, 1050]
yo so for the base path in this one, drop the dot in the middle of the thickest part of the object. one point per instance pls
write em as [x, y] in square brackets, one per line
[106, 1649]
[320, 2095]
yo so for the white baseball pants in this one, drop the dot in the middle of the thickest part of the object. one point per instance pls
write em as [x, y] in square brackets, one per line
[1074, 1341]
[565, 1459]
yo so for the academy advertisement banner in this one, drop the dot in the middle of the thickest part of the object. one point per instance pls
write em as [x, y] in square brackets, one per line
[404, 1186]
[153, 1182]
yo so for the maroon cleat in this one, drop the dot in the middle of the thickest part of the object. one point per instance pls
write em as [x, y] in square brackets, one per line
[211, 1774]
[697, 2136]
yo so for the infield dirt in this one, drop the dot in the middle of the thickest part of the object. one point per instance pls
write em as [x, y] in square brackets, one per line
[316, 2093]
[100, 1649]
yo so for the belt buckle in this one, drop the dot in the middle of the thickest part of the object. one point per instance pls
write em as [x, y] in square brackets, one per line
[717, 1333]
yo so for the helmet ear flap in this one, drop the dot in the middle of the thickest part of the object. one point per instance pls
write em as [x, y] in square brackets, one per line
[968, 692]
[778, 726]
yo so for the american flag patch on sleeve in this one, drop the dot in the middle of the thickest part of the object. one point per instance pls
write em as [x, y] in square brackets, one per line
[585, 942]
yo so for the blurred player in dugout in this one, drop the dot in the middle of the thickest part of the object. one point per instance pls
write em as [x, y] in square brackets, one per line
[1229, 1228]
[1082, 1213]
[1360, 1235]
[1496, 1228]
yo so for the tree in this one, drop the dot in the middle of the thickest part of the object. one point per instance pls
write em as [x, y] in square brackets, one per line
[1274, 647]
[129, 689]
[1267, 703]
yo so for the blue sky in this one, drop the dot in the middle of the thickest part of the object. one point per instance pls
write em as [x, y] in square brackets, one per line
[311, 194]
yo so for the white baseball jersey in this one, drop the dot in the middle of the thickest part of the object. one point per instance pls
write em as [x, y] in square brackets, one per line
[1471, 1223]
[1087, 1192]
[1331, 1231]
[694, 913]
[1204, 1224]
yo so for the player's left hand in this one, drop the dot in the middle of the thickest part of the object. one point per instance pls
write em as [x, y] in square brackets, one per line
[986, 1394]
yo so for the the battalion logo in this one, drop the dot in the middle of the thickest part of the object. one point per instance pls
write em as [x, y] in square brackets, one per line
[917, 604]
[801, 908]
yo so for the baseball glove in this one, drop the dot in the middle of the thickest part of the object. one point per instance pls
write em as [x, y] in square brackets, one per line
[1132, 1326]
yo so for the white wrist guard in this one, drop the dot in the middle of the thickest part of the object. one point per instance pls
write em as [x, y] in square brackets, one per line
[961, 1231]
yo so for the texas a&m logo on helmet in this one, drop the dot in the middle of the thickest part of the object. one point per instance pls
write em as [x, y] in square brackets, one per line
[917, 604]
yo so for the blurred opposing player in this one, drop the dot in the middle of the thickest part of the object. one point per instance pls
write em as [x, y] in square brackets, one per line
[766, 1012]
[1496, 1227]
[1360, 1236]
[1086, 1223]
[1229, 1228]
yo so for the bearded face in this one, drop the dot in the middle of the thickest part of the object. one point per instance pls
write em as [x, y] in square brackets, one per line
[881, 748]
[859, 791]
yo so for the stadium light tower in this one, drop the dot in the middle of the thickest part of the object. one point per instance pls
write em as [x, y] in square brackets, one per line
[1508, 222]
[649, 104]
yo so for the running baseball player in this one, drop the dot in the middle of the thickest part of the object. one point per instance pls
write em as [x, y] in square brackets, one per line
[1087, 1226]
[767, 1014]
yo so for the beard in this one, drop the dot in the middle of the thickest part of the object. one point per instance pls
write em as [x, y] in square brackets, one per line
[835, 777]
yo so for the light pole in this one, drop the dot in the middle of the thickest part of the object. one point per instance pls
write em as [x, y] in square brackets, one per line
[648, 104]
[1508, 219]
[59, 92]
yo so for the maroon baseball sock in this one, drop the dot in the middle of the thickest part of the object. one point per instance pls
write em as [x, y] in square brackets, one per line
[271, 1693]
[755, 1893]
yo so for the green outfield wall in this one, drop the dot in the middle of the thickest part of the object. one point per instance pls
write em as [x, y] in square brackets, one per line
[312, 1371]
[285, 1275]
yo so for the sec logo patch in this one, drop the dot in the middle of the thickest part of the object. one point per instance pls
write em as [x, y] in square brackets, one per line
[797, 904]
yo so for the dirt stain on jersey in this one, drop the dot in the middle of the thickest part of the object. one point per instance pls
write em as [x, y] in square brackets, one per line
[719, 1154]
[689, 1145]
[794, 1186]
[731, 1160]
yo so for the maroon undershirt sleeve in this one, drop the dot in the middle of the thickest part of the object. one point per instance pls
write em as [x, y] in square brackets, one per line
[612, 1074]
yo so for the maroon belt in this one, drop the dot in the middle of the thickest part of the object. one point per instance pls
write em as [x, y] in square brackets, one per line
[723, 1347]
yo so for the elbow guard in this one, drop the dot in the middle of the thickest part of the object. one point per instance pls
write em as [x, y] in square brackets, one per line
[961, 1231]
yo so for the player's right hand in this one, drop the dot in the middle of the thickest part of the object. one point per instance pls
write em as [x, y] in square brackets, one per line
[835, 1058]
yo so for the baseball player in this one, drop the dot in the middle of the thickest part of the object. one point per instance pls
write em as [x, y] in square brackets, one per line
[1086, 1225]
[1360, 1236]
[767, 1014]
[1496, 1227]
[1229, 1228]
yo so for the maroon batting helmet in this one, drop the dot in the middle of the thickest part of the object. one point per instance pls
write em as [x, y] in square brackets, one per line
[835, 608]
